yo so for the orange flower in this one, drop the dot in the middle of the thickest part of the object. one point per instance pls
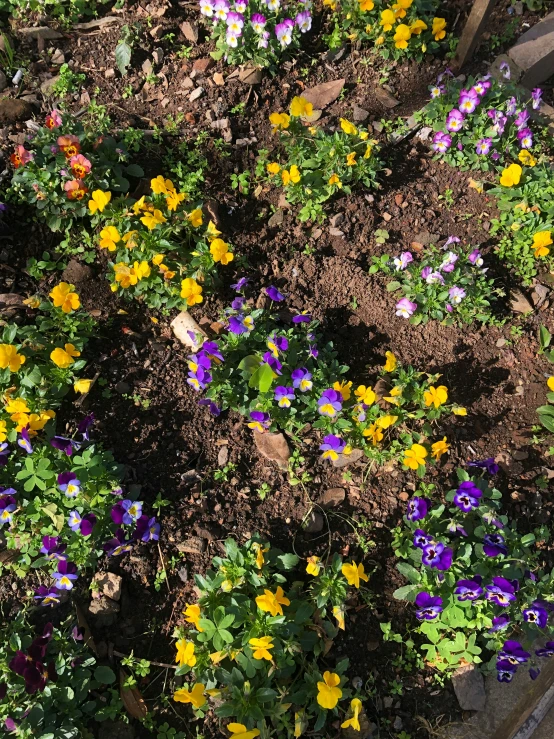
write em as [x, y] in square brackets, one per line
[70, 145]
[75, 189]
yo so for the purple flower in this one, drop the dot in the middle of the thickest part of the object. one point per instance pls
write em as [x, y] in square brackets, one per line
[214, 409]
[483, 146]
[240, 324]
[436, 91]
[442, 142]
[476, 259]
[84, 426]
[499, 623]
[493, 545]
[487, 464]
[118, 545]
[4, 454]
[546, 651]
[481, 87]
[437, 555]
[52, 548]
[283, 31]
[514, 653]
[258, 22]
[274, 294]
[87, 524]
[69, 484]
[522, 118]
[24, 442]
[260, 421]
[47, 596]
[536, 615]
[450, 240]
[505, 69]
[501, 592]
[273, 362]
[117, 513]
[147, 529]
[456, 529]
[525, 136]
[448, 262]
[74, 521]
[302, 379]
[277, 344]
[238, 303]
[500, 124]
[405, 308]
[417, 509]
[66, 575]
[64, 445]
[468, 102]
[264, 40]
[505, 671]
[303, 317]
[429, 607]
[330, 403]
[199, 380]
[403, 260]
[536, 97]
[534, 672]
[332, 446]
[132, 511]
[7, 507]
[284, 396]
[421, 539]
[304, 21]
[469, 589]
[456, 294]
[467, 496]
[243, 281]
[455, 121]
[212, 351]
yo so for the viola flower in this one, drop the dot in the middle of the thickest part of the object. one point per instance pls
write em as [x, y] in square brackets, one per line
[197, 699]
[405, 308]
[536, 614]
[483, 146]
[220, 252]
[272, 602]
[274, 294]
[494, 546]
[332, 447]
[304, 21]
[525, 137]
[469, 589]
[260, 421]
[7, 508]
[354, 573]
[505, 671]
[66, 575]
[499, 623]
[467, 496]
[240, 284]
[47, 596]
[481, 87]
[75, 189]
[546, 651]
[74, 521]
[64, 445]
[185, 653]
[442, 142]
[417, 509]
[536, 97]
[132, 511]
[284, 396]
[314, 566]
[421, 539]
[302, 379]
[330, 403]
[415, 456]
[283, 31]
[328, 693]
[221, 9]
[240, 324]
[261, 648]
[207, 8]
[388, 19]
[355, 703]
[263, 43]
[277, 344]
[487, 464]
[436, 90]
[437, 555]
[80, 166]
[403, 260]
[24, 442]
[118, 545]
[522, 119]
[303, 317]
[21, 157]
[475, 258]
[241, 5]
[274, 363]
[428, 606]
[514, 653]
[199, 380]
[214, 409]
[402, 35]
[53, 119]
[52, 549]
[147, 529]
[439, 448]
[501, 592]
[431, 277]
[235, 23]
[511, 106]
[438, 29]
[505, 69]
[191, 291]
[456, 294]
[258, 22]
[469, 100]
[511, 175]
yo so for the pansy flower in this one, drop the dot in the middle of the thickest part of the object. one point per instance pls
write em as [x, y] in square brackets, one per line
[536, 97]
[514, 653]
[437, 555]
[118, 545]
[132, 511]
[499, 623]
[147, 529]
[456, 294]
[501, 592]
[277, 344]
[455, 120]
[494, 545]
[417, 509]
[467, 496]
[47, 596]
[274, 294]
[52, 549]
[66, 575]
[332, 447]
[428, 606]
[260, 421]
[302, 379]
[303, 317]
[24, 441]
[7, 507]
[505, 671]
[487, 464]
[240, 324]
[546, 651]
[214, 409]
[330, 403]
[536, 614]
[284, 396]
[469, 589]
[403, 260]
[421, 539]
[258, 22]
[69, 484]
[405, 308]
[240, 283]
[442, 142]
[304, 21]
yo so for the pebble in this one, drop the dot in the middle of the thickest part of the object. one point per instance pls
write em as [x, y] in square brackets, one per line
[196, 94]
[158, 55]
[147, 67]
[314, 523]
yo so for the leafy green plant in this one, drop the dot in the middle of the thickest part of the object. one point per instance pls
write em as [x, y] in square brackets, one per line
[124, 48]
[546, 412]
[68, 81]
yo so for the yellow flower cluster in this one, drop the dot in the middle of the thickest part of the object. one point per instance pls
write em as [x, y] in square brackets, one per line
[390, 17]
[20, 413]
[127, 275]
[64, 297]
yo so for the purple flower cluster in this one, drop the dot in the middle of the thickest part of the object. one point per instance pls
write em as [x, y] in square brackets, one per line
[31, 664]
[199, 364]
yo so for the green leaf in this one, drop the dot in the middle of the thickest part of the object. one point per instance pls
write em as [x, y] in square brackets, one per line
[104, 675]
[544, 337]
[407, 592]
[250, 363]
[409, 572]
[262, 378]
[123, 57]
[287, 561]
[394, 285]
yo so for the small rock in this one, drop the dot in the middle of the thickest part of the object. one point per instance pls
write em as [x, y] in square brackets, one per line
[469, 687]
[47, 87]
[193, 545]
[509, 466]
[76, 272]
[539, 295]
[158, 55]
[336, 232]
[385, 98]
[223, 456]
[183, 574]
[501, 342]
[103, 606]
[219, 79]
[424, 134]
[276, 219]
[147, 67]
[58, 57]
[520, 455]
[359, 114]
[196, 94]
[3, 81]
[273, 446]
[109, 584]
[425, 238]
[122, 387]
[314, 523]
[387, 217]
[40, 32]
[336, 220]
[188, 331]
[109, 73]
[201, 66]
[12, 110]
[221, 124]
[378, 126]
[388, 701]
[157, 31]
[397, 725]
[345, 460]
[519, 303]
[399, 198]
[332, 497]
[190, 31]
[188, 84]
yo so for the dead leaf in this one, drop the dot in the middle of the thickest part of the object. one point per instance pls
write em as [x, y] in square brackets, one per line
[250, 74]
[519, 303]
[273, 446]
[385, 98]
[381, 388]
[132, 698]
[323, 95]
[315, 116]
[87, 633]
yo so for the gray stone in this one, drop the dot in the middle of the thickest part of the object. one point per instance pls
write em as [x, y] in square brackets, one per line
[534, 52]
[40, 32]
[276, 219]
[110, 584]
[58, 57]
[158, 55]
[196, 94]
[223, 456]
[103, 606]
[360, 114]
[250, 74]
[47, 87]
[13, 110]
[469, 687]
[332, 497]
[193, 545]
[122, 387]
[385, 98]
[190, 31]
[515, 71]
[221, 124]
[314, 523]
[336, 232]
[345, 460]
[109, 73]
[147, 67]
[336, 220]
[188, 84]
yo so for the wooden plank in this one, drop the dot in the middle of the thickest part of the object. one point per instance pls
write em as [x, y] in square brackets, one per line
[473, 30]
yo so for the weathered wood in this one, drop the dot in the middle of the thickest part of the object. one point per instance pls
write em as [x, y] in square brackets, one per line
[473, 30]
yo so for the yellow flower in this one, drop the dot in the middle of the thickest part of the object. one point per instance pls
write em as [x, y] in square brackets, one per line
[3, 431]
[63, 297]
[142, 205]
[272, 602]
[354, 573]
[129, 239]
[541, 242]
[17, 405]
[109, 237]
[402, 36]
[185, 653]
[550, 383]
[438, 30]
[153, 219]
[36, 422]
[211, 231]
[343, 388]
[368, 151]
[459, 411]
[262, 647]
[511, 175]
[64, 358]
[415, 457]
[329, 694]
[82, 386]
[348, 127]
[525, 157]
[386, 421]
[301, 107]
[293, 175]
[355, 707]
[364, 135]
[10, 358]
[338, 613]
[366, 5]
[439, 448]
[334, 180]
[365, 394]
[394, 396]
[195, 217]
[390, 364]
[192, 615]
[173, 200]
[351, 159]
[417, 27]
[273, 168]
[160, 185]
[191, 291]
[400, 8]
[388, 19]
[436, 396]
[379, 41]
[99, 201]
[280, 121]
[374, 433]
[314, 566]
[239, 731]
[220, 251]
[32, 302]
[157, 259]
[195, 696]
[260, 561]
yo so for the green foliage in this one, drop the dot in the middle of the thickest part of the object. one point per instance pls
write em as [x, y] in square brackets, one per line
[67, 11]
[546, 412]
[68, 81]
[124, 48]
